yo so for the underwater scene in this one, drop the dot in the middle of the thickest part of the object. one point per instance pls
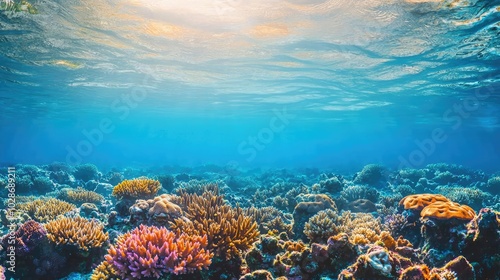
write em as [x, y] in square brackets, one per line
[250, 140]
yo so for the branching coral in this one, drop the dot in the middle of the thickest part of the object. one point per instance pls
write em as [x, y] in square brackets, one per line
[269, 219]
[361, 228]
[228, 229]
[137, 188]
[151, 252]
[321, 226]
[77, 231]
[79, 196]
[43, 210]
[104, 271]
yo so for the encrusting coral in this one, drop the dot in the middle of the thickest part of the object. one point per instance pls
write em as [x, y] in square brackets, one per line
[151, 252]
[43, 210]
[77, 231]
[137, 188]
[229, 230]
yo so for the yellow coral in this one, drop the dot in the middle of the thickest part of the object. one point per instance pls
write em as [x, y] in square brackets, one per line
[104, 271]
[136, 188]
[80, 196]
[362, 228]
[321, 226]
[43, 210]
[77, 231]
[228, 229]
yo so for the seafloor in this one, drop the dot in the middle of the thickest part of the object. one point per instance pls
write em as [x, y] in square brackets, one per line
[437, 222]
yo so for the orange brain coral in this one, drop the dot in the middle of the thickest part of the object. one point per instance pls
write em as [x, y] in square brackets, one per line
[447, 210]
[419, 201]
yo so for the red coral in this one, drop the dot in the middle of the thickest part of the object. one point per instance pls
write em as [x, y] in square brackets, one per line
[152, 252]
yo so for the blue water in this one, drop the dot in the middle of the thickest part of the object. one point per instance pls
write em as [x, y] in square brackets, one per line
[265, 84]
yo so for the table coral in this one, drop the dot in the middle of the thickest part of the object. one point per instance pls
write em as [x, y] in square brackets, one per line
[151, 252]
[77, 231]
[43, 210]
[137, 188]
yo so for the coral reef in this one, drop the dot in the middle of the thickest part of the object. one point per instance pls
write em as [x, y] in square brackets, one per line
[43, 210]
[308, 206]
[152, 252]
[78, 232]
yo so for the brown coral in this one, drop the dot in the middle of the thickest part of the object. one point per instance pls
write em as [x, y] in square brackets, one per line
[77, 231]
[228, 229]
[43, 210]
[419, 201]
[362, 228]
[448, 210]
[79, 196]
[137, 188]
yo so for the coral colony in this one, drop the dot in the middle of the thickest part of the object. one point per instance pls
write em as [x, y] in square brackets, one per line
[439, 222]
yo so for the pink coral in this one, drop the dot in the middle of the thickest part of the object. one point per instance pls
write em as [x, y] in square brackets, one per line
[151, 252]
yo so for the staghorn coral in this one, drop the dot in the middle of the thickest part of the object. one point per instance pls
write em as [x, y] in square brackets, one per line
[228, 229]
[43, 210]
[80, 195]
[321, 226]
[77, 231]
[104, 271]
[151, 252]
[136, 188]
